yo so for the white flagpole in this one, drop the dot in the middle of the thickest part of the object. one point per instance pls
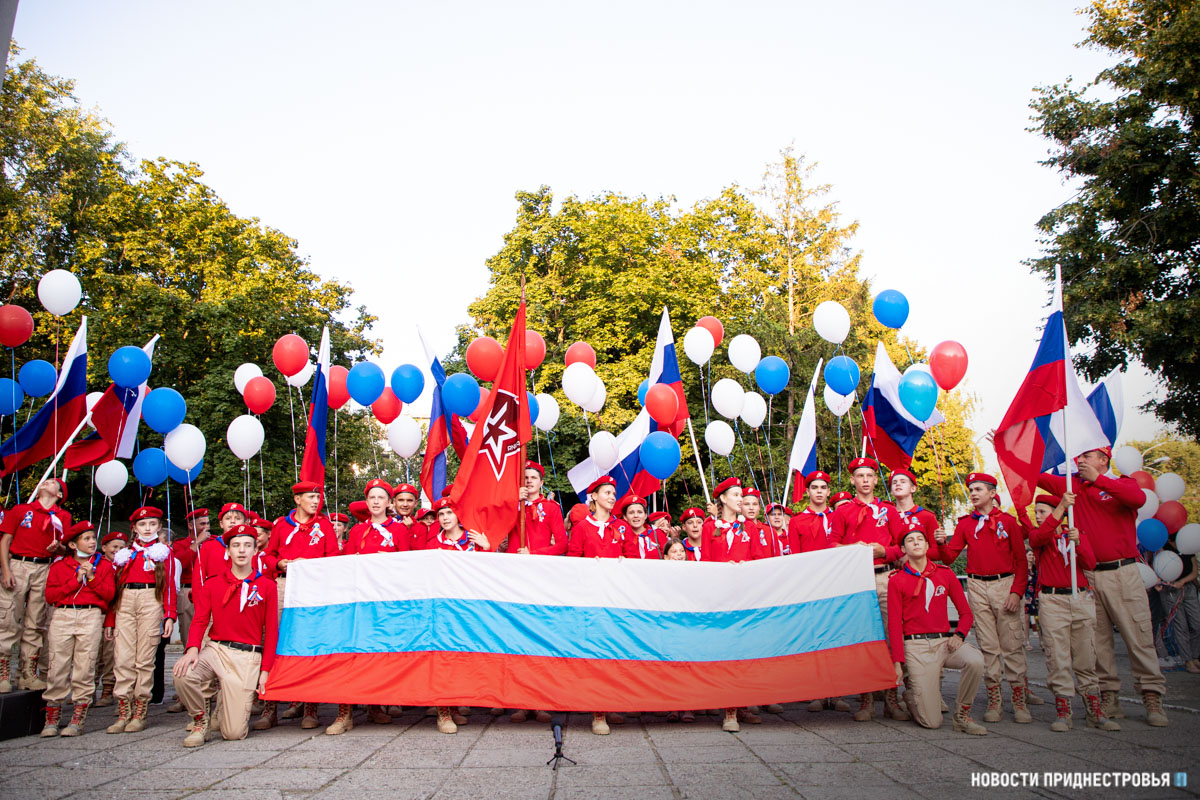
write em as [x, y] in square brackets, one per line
[1066, 437]
[50, 469]
[699, 466]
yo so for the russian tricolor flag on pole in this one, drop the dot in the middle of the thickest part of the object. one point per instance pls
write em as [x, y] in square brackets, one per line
[445, 430]
[803, 459]
[438, 627]
[115, 417]
[54, 425]
[312, 468]
[892, 433]
[628, 473]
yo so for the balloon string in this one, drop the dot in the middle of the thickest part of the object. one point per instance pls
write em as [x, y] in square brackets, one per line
[712, 476]
[374, 444]
[303, 406]
[770, 455]
[337, 506]
[554, 469]
[762, 466]
[92, 494]
[589, 427]
[262, 481]
[746, 453]
[839, 471]
[292, 414]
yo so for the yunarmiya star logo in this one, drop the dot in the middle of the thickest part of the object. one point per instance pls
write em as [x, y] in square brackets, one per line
[500, 441]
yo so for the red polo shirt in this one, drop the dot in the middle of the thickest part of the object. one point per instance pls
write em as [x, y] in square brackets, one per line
[809, 531]
[1049, 543]
[877, 522]
[1105, 511]
[255, 623]
[995, 544]
[591, 538]
[366, 538]
[33, 529]
[291, 540]
[64, 589]
[917, 604]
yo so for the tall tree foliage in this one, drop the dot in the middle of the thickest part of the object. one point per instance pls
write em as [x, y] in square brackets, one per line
[1129, 239]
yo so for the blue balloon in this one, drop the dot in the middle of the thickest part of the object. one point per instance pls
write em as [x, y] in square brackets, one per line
[179, 476]
[365, 382]
[772, 375]
[11, 396]
[407, 383]
[918, 394]
[37, 378]
[460, 394]
[150, 466]
[643, 387]
[660, 454]
[841, 373]
[891, 308]
[163, 409]
[533, 408]
[129, 367]
[1152, 534]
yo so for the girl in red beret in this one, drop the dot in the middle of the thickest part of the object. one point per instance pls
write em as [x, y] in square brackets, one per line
[638, 540]
[599, 533]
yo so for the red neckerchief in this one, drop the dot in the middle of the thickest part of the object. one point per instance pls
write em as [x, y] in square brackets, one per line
[244, 584]
[923, 580]
[875, 508]
[990, 521]
[826, 516]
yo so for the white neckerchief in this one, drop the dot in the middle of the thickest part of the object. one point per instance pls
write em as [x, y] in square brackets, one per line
[384, 533]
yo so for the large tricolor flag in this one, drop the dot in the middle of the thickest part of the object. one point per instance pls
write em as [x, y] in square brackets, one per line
[439, 627]
[1049, 405]
[312, 468]
[48, 431]
[486, 488]
[445, 430]
[115, 417]
[803, 459]
[892, 433]
[628, 473]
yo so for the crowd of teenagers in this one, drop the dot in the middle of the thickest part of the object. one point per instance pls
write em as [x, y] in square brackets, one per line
[85, 610]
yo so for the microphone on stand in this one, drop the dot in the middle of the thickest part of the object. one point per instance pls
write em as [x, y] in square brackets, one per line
[556, 727]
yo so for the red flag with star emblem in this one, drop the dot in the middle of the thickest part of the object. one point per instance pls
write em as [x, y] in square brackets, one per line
[487, 486]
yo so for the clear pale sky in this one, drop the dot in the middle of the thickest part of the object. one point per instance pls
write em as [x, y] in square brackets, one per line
[389, 138]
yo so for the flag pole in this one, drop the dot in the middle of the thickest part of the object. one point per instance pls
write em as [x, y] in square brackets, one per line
[699, 466]
[524, 401]
[1066, 436]
[50, 469]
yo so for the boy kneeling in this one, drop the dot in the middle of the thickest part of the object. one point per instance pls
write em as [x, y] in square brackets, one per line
[918, 634]
[241, 603]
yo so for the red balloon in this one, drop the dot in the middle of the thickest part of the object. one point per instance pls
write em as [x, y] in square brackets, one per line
[387, 407]
[535, 349]
[948, 363]
[1143, 479]
[1172, 514]
[290, 354]
[662, 403]
[713, 326]
[338, 394]
[485, 357]
[259, 394]
[484, 394]
[581, 351]
[16, 325]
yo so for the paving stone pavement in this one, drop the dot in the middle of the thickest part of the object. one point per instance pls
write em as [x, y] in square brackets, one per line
[796, 754]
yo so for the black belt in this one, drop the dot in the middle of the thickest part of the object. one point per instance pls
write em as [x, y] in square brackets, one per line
[1058, 589]
[31, 559]
[249, 648]
[80, 605]
[909, 636]
[884, 568]
[989, 577]
[139, 586]
[1105, 566]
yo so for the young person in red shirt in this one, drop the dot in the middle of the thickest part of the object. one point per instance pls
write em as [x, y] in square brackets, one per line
[874, 523]
[213, 556]
[381, 532]
[113, 543]
[29, 541]
[598, 534]
[186, 552]
[241, 606]
[640, 541]
[776, 531]
[80, 587]
[545, 533]
[726, 534]
[692, 522]
[404, 507]
[919, 637]
[904, 486]
[812, 528]
[997, 572]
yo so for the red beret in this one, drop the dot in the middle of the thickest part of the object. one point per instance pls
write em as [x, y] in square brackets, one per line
[981, 477]
[146, 512]
[1048, 499]
[377, 483]
[359, 509]
[424, 512]
[76, 529]
[199, 512]
[238, 507]
[62, 487]
[577, 513]
[401, 488]
[752, 492]
[259, 522]
[442, 502]
[725, 485]
[630, 500]
[921, 531]
[657, 515]
[601, 481]
[691, 513]
[839, 497]
[906, 473]
[306, 487]
[859, 463]
[447, 490]
[338, 517]
[240, 530]
[534, 465]
[817, 475]
[778, 507]
[1106, 450]
[114, 536]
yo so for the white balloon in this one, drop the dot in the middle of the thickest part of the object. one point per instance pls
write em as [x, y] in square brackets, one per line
[59, 292]
[728, 397]
[579, 383]
[1169, 486]
[245, 436]
[1127, 459]
[1168, 565]
[919, 368]
[184, 446]
[1148, 576]
[719, 437]
[92, 399]
[839, 404]
[404, 436]
[1188, 539]
[596, 401]
[548, 412]
[243, 374]
[754, 409]
[603, 450]
[832, 321]
[301, 377]
[744, 352]
[111, 477]
[1150, 507]
[698, 345]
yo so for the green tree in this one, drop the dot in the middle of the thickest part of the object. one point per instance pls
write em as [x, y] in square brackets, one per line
[1128, 240]
[1171, 454]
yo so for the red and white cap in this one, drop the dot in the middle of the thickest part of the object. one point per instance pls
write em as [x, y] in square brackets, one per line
[377, 483]
[146, 512]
